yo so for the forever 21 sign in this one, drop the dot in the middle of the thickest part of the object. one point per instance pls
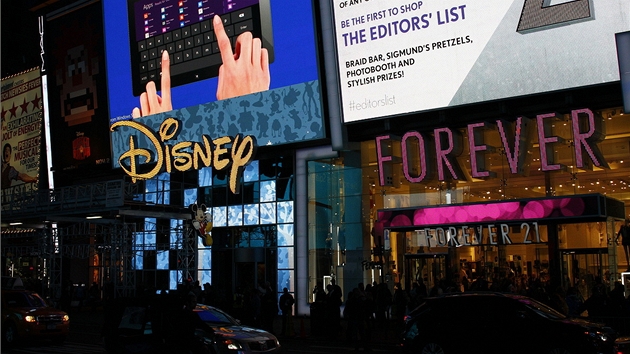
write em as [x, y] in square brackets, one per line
[490, 234]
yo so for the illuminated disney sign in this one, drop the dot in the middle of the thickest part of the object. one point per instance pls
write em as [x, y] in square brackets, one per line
[221, 153]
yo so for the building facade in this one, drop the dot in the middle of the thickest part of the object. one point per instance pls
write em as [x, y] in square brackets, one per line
[507, 171]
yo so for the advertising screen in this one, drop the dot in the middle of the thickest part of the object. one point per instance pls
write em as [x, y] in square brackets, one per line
[78, 97]
[282, 103]
[398, 57]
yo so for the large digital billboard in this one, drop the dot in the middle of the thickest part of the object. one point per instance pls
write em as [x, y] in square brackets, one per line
[273, 53]
[76, 87]
[398, 57]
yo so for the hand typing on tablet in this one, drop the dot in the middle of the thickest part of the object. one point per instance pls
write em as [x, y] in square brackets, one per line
[244, 70]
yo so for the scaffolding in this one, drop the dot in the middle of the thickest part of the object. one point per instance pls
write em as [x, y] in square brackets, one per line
[72, 237]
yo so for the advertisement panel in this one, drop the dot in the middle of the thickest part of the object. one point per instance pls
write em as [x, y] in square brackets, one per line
[405, 56]
[204, 89]
[77, 92]
[21, 133]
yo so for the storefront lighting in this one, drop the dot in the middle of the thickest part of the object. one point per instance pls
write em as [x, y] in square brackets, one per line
[15, 223]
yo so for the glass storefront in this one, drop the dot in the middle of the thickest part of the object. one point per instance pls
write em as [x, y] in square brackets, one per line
[252, 231]
[583, 251]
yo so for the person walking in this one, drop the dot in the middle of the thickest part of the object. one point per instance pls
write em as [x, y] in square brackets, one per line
[286, 306]
[624, 233]
[333, 307]
[269, 308]
[355, 312]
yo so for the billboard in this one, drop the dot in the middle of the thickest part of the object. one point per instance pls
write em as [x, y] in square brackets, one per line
[403, 56]
[22, 117]
[203, 88]
[77, 92]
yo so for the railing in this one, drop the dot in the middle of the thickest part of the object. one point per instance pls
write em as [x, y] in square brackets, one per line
[99, 195]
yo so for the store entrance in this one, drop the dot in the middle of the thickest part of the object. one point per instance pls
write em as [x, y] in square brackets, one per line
[429, 268]
[249, 267]
[582, 268]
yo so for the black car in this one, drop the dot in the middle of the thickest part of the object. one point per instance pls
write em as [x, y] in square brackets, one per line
[622, 345]
[153, 325]
[499, 323]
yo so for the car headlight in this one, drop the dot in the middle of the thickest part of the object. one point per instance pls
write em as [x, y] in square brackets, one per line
[65, 318]
[30, 318]
[232, 344]
[600, 336]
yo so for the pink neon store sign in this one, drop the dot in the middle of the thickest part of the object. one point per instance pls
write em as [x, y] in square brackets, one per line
[517, 139]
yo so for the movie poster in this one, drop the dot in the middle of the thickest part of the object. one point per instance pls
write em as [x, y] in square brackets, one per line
[21, 134]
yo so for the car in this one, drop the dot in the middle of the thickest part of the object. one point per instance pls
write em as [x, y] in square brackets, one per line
[150, 326]
[622, 345]
[499, 323]
[26, 315]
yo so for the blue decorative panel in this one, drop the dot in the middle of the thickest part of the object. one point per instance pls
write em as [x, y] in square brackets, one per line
[150, 187]
[138, 242]
[205, 178]
[162, 260]
[175, 278]
[138, 260]
[149, 224]
[204, 276]
[286, 280]
[268, 213]
[250, 214]
[235, 215]
[204, 258]
[285, 235]
[176, 236]
[190, 196]
[219, 216]
[251, 172]
[149, 240]
[286, 258]
[268, 191]
[285, 212]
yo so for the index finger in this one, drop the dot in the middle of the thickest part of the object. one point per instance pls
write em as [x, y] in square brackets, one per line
[225, 47]
[165, 85]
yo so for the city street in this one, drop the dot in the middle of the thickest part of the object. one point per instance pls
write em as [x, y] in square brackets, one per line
[85, 338]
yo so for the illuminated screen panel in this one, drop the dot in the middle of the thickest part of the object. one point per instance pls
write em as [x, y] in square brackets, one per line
[77, 92]
[408, 56]
[288, 110]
